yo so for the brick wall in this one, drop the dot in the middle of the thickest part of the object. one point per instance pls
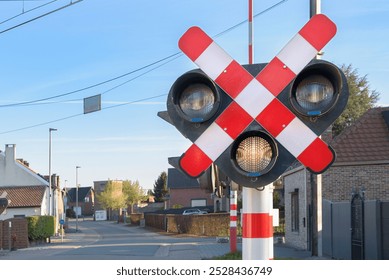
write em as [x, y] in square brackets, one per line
[184, 197]
[339, 181]
[293, 182]
[19, 233]
[337, 185]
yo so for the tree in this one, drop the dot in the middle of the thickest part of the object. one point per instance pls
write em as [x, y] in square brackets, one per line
[133, 193]
[111, 198]
[160, 187]
[361, 98]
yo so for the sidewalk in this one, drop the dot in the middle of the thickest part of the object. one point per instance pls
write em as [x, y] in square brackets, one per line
[221, 246]
[196, 247]
[71, 240]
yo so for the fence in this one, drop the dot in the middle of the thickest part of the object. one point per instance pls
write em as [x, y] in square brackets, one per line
[338, 223]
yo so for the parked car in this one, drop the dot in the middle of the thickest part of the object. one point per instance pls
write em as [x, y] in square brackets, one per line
[194, 211]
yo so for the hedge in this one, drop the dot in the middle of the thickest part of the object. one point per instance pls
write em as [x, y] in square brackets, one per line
[40, 227]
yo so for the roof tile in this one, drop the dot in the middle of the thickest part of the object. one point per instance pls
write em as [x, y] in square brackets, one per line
[29, 196]
[366, 140]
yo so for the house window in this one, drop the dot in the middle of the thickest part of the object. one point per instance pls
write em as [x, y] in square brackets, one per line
[19, 216]
[87, 199]
[295, 210]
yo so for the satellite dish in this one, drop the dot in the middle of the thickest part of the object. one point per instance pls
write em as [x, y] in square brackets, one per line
[4, 202]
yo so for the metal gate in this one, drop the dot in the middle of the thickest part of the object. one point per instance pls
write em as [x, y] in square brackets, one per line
[357, 226]
[385, 230]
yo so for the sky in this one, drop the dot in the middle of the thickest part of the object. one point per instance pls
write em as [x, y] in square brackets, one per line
[51, 58]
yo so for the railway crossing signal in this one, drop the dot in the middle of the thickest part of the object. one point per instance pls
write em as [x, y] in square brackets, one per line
[254, 121]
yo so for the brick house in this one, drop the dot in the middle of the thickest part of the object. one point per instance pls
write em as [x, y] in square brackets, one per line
[86, 200]
[185, 191]
[362, 162]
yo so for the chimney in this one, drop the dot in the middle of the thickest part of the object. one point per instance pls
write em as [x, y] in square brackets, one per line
[24, 162]
[10, 153]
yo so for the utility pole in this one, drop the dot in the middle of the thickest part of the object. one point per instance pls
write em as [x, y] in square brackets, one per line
[316, 179]
[77, 167]
[51, 197]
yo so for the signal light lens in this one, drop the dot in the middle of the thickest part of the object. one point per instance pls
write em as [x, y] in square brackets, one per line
[314, 93]
[195, 97]
[254, 153]
[316, 89]
[197, 101]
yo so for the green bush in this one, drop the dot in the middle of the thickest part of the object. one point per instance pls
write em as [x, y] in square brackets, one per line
[40, 227]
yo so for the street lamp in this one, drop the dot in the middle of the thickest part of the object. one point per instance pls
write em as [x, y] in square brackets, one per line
[77, 167]
[49, 210]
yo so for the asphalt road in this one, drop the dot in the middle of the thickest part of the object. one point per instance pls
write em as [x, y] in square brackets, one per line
[106, 240]
[111, 241]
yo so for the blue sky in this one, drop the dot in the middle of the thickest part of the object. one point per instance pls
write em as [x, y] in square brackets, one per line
[94, 41]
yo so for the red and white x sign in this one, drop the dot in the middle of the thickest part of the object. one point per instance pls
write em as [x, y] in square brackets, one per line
[256, 97]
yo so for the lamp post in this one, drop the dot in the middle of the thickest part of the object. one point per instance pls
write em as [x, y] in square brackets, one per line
[77, 167]
[50, 130]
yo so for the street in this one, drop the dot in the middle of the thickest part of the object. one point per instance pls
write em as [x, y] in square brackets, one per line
[107, 240]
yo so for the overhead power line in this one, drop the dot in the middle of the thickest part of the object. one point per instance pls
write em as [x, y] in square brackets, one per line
[26, 12]
[41, 16]
[98, 84]
[81, 114]
[108, 90]
[176, 55]
[166, 59]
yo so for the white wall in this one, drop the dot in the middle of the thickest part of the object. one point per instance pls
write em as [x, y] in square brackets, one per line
[13, 173]
[11, 212]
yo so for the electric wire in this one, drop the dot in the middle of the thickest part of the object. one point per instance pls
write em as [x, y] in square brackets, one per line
[41, 16]
[111, 89]
[80, 114]
[26, 12]
[168, 58]
[139, 69]
[245, 21]
[174, 56]
[105, 108]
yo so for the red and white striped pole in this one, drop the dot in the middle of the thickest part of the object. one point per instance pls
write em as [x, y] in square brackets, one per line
[233, 217]
[251, 33]
[257, 236]
[270, 188]
[257, 207]
[258, 224]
